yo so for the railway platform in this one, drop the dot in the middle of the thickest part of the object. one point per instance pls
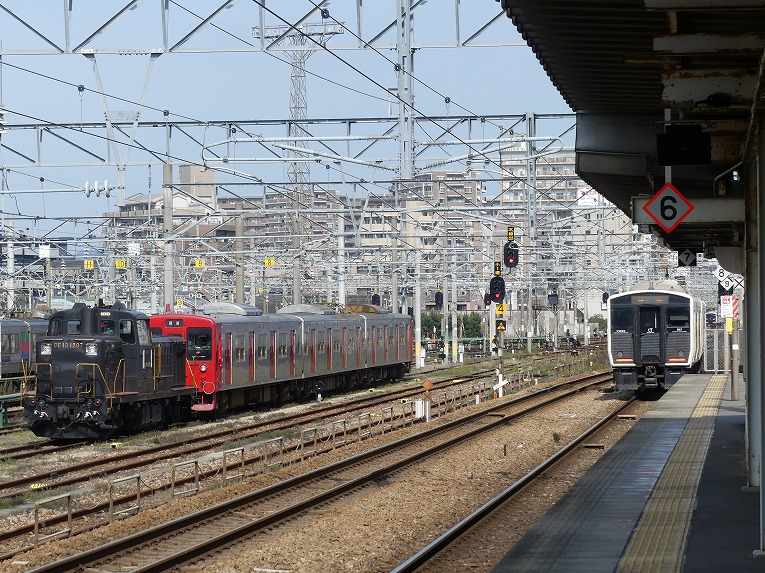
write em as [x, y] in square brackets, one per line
[671, 495]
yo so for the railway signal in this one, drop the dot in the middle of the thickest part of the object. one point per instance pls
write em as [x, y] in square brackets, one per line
[487, 299]
[497, 289]
[439, 299]
[510, 254]
[376, 299]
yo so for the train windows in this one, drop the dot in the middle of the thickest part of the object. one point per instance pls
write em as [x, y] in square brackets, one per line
[9, 343]
[65, 327]
[199, 341]
[281, 348]
[320, 347]
[678, 319]
[621, 320]
[127, 333]
[144, 336]
[262, 346]
[240, 348]
[106, 327]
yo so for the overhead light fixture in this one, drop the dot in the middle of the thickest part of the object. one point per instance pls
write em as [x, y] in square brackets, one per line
[718, 100]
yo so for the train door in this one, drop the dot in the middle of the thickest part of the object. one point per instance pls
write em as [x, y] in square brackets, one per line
[312, 350]
[330, 350]
[251, 355]
[292, 352]
[358, 347]
[228, 358]
[344, 349]
[398, 345]
[386, 344]
[137, 356]
[373, 340]
[650, 327]
[272, 354]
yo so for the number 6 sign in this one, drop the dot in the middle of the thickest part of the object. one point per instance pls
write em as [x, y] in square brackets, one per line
[668, 208]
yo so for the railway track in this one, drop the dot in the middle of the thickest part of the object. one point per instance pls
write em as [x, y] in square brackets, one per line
[112, 463]
[467, 537]
[191, 538]
[98, 468]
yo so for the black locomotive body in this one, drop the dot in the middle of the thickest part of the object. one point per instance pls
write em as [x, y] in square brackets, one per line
[99, 372]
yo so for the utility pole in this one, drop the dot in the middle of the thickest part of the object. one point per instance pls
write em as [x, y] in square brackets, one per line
[305, 39]
[167, 228]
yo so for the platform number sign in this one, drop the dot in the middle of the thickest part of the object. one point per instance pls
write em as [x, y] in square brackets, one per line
[668, 208]
[727, 280]
[686, 258]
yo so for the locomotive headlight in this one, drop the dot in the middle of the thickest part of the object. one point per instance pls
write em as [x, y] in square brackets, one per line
[203, 367]
[46, 349]
[91, 349]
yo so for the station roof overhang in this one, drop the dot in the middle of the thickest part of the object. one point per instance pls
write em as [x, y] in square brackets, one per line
[664, 90]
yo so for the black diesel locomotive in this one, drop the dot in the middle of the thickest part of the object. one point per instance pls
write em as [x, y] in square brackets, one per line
[99, 372]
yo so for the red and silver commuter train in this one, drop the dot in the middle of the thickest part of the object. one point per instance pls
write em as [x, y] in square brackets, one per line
[238, 356]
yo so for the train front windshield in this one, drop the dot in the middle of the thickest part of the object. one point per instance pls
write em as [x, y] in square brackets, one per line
[678, 320]
[199, 342]
[622, 320]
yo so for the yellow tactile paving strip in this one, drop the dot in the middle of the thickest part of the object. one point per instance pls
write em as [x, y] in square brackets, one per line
[658, 542]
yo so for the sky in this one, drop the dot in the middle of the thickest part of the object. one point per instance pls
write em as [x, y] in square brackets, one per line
[222, 77]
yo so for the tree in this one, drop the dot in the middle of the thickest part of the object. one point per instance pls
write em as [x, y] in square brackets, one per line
[428, 320]
[598, 319]
[471, 325]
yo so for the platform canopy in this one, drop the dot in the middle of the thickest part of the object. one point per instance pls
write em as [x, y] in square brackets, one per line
[657, 83]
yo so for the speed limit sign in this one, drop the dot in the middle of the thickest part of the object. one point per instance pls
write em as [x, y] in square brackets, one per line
[668, 207]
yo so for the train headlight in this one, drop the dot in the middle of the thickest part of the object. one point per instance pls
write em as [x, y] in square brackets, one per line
[203, 367]
[46, 349]
[91, 349]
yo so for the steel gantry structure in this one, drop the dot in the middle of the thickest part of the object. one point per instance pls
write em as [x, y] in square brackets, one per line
[411, 202]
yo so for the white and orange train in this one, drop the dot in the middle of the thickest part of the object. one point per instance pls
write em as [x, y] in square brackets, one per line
[656, 334]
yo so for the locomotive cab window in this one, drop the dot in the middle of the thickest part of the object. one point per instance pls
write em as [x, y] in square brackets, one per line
[127, 332]
[106, 327]
[144, 334]
[59, 326]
